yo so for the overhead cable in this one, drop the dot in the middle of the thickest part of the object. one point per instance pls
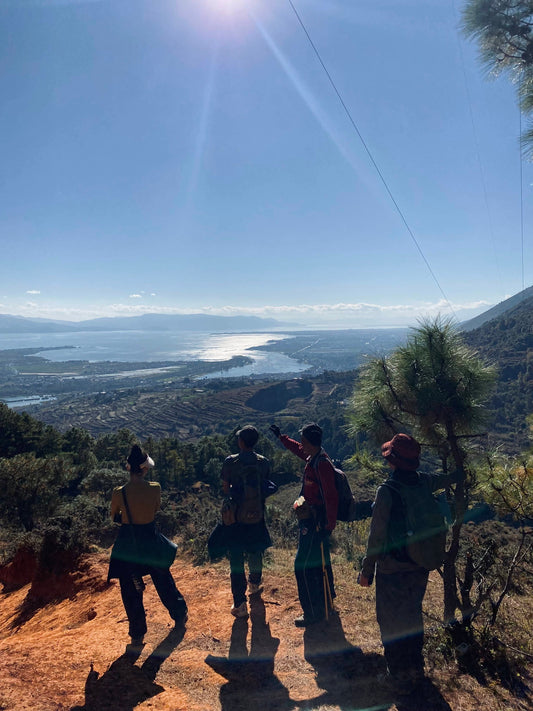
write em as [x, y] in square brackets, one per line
[373, 161]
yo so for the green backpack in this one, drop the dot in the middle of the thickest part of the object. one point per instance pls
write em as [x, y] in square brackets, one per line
[246, 489]
[417, 527]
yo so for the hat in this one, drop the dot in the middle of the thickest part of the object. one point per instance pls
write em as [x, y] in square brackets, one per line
[249, 435]
[403, 451]
[313, 434]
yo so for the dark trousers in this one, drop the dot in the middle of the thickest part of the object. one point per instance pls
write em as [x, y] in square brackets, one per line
[237, 575]
[399, 613]
[309, 572]
[132, 588]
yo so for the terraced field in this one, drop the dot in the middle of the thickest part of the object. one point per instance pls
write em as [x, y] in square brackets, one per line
[187, 414]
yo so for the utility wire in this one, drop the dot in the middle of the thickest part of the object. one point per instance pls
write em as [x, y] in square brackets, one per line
[369, 153]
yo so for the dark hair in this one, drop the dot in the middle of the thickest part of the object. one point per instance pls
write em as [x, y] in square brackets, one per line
[313, 434]
[249, 435]
[135, 458]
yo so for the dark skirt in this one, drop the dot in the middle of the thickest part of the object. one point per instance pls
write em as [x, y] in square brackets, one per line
[137, 550]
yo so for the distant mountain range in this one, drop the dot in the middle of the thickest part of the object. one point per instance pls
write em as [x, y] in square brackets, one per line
[146, 322]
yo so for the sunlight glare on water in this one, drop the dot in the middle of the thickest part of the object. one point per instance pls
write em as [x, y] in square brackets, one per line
[224, 346]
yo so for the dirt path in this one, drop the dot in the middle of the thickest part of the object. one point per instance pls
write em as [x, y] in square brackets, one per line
[70, 654]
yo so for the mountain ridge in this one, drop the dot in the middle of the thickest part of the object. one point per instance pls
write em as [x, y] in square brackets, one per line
[144, 322]
[498, 310]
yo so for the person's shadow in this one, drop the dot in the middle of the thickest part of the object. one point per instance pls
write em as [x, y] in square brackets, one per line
[251, 673]
[125, 685]
[346, 673]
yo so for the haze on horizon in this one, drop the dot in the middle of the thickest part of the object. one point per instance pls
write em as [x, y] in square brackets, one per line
[192, 157]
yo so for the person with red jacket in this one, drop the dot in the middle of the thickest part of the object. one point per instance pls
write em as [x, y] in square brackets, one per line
[316, 509]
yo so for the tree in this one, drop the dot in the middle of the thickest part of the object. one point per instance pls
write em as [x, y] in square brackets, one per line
[31, 488]
[433, 387]
[507, 485]
[504, 31]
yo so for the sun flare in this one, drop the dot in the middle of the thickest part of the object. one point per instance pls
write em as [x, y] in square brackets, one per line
[228, 5]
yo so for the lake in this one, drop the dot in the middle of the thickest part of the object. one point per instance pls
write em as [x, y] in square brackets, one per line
[156, 346]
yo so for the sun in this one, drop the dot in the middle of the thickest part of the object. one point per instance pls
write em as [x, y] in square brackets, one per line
[228, 6]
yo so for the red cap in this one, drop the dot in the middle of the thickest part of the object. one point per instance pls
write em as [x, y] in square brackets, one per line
[403, 451]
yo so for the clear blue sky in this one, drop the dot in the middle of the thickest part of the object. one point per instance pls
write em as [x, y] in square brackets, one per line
[191, 155]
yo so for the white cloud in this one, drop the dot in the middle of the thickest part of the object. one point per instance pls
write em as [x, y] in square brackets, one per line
[349, 315]
[33, 291]
[340, 315]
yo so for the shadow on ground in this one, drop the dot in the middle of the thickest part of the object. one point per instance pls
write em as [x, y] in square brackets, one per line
[353, 680]
[125, 685]
[251, 682]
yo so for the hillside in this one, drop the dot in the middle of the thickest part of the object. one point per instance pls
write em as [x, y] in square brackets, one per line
[70, 653]
[507, 342]
[212, 406]
[499, 310]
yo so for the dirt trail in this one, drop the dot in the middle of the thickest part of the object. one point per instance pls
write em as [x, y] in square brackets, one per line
[71, 654]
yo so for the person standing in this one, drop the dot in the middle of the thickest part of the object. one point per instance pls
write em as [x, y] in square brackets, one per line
[136, 503]
[400, 582]
[243, 476]
[317, 517]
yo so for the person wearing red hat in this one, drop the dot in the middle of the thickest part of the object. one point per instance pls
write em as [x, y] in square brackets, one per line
[400, 582]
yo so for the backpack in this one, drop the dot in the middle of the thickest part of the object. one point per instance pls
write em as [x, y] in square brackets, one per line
[417, 527]
[247, 489]
[346, 510]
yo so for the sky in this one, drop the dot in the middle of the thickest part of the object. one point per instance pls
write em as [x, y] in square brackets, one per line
[322, 162]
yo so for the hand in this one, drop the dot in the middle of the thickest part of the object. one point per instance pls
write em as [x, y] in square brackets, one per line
[363, 581]
[275, 430]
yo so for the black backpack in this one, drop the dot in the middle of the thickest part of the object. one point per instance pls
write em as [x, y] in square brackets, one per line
[417, 526]
[346, 510]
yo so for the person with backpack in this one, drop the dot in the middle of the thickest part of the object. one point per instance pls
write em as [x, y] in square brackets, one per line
[243, 480]
[316, 509]
[407, 539]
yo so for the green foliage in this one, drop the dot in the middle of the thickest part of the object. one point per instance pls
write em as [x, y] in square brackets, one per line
[20, 433]
[64, 540]
[350, 539]
[503, 29]
[99, 484]
[430, 384]
[506, 483]
[31, 488]
[114, 447]
[507, 341]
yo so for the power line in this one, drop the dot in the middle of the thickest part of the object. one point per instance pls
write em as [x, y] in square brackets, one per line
[369, 153]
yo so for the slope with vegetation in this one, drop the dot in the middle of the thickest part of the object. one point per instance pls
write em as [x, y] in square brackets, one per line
[507, 342]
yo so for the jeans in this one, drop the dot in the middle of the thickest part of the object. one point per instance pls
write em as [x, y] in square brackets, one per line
[399, 613]
[312, 585]
[237, 574]
[132, 588]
